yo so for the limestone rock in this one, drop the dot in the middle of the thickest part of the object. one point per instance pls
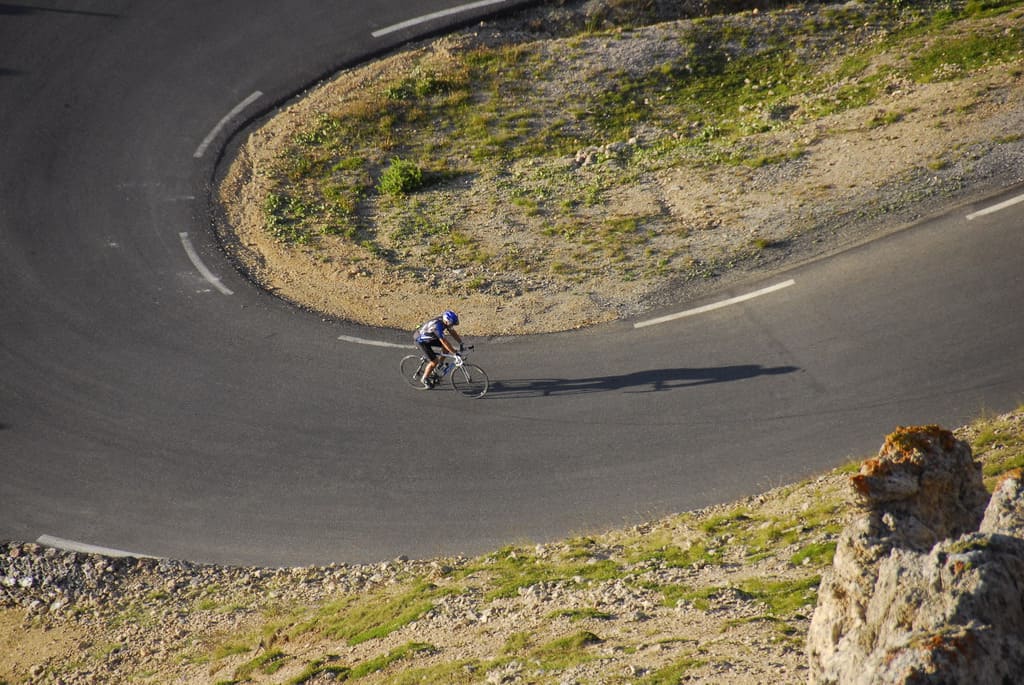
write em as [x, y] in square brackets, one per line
[1005, 513]
[927, 585]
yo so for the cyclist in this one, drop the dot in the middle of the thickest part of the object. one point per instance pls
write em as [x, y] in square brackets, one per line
[432, 335]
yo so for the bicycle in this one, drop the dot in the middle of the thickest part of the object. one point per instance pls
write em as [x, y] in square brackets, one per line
[467, 379]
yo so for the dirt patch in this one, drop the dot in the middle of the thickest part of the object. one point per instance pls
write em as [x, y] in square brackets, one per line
[26, 645]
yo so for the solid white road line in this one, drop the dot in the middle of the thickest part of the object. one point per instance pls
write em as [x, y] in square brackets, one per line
[72, 546]
[715, 305]
[201, 150]
[995, 208]
[198, 263]
[377, 343]
[435, 15]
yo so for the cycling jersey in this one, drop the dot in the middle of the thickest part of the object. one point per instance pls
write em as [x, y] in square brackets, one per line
[432, 331]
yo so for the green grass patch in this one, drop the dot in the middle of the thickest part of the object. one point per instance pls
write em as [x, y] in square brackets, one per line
[421, 83]
[513, 568]
[674, 673]
[850, 467]
[452, 673]
[100, 653]
[516, 643]
[321, 667]
[988, 8]
[408, 650]
[761, 534]
[285, 218]
[229, 649]
[360, 618]
[582, 614]
[815, 554]
[662, 549]
[212, 651]
[955, 56]
[567, 652]
[701, 598]
[999, 445]
[783, 597]
[268, 663]
[759, 160]
[883, 118]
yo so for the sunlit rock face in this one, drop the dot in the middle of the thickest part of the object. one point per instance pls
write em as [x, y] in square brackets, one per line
[927, 585]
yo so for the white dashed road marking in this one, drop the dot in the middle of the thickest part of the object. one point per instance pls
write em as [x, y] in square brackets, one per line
[995, 208]
[377, 343]
[201, 150]
[72, 546]
[198, 263]
[715, 305]
[435, 15]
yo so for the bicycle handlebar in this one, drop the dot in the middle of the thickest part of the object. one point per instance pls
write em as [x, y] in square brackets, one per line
[457, 356]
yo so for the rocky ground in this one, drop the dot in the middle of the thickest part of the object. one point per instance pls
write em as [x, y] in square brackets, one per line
[721, 595]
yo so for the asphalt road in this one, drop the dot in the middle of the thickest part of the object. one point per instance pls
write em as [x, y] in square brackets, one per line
[153, 401]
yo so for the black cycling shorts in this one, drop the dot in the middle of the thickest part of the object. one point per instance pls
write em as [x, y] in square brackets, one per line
[428, 348]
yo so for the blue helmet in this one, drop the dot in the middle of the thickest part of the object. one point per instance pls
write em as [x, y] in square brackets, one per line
[450, 318]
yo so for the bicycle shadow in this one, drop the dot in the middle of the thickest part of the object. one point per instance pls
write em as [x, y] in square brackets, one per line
[654, 380]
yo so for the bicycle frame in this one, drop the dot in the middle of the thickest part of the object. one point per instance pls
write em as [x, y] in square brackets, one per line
[470, 380]
[448, 361]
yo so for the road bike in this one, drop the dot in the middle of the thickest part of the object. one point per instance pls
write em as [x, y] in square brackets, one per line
[466, 379]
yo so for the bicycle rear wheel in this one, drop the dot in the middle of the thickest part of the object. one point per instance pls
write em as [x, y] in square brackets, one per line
[411, 367]
[470, 380]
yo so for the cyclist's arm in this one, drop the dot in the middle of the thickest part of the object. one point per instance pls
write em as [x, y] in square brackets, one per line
[447, 345]
[455, 334]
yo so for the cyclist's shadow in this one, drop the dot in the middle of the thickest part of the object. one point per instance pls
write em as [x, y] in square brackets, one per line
[655, 380]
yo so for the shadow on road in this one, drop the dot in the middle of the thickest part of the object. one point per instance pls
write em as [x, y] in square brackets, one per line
[7, 8]
[654, 380]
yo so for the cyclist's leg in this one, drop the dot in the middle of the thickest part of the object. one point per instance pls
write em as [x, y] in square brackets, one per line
[432, 359]
[411, 368]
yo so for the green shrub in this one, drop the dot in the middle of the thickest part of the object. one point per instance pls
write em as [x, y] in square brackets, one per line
[401, 177]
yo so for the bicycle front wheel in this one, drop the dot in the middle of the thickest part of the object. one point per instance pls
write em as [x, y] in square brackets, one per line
[470, 380]
[411, 367]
